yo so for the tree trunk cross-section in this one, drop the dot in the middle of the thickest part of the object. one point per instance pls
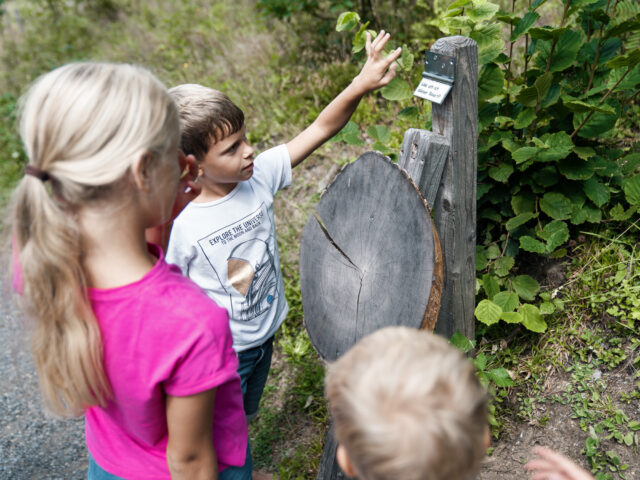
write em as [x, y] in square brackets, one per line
[369, 257]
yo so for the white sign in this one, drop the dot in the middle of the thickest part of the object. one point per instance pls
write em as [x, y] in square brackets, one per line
[431, 90]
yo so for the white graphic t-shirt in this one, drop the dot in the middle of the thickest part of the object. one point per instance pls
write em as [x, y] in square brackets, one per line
[228, 247]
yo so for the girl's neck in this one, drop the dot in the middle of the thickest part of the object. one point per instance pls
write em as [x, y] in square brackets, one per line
[115, 252]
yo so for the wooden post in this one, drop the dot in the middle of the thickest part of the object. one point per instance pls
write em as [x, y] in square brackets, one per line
[455, 205]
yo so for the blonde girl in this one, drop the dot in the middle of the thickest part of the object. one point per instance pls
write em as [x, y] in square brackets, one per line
[118, 334]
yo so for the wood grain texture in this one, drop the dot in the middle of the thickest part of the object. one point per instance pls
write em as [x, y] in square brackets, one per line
[367, 258]
[329, 469]
[423, 155]
[455, 205]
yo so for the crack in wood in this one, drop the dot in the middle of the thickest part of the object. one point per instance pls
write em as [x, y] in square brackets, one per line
[335, 245]
[332, 242]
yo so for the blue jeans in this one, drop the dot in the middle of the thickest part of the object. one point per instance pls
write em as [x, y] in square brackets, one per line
[96, 472]
[254, 365]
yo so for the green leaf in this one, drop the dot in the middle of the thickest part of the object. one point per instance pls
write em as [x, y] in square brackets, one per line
[528, 96]
[503, 265]
[379, 133]
[564, 54]
[486, 114]
[629, 59]
[359, 39]
[481, 258]
[523, 154]
[547, 176]
[489, 40]
[524, 25]
[526, 287]
[488, 312]
[631, 188]
[482, 11]
[490, 81]
[532, 319]
[410, 113]
[524, 118]
[555, 233]
[519, 220]
[542, 84]
[576, 169]
[397, 90]
[490, 285]
[596, 192]
[547, 308]
[585, 153]
[458, 3]
[592, 214]
[598, 124]
[556, 205]
[493, 251]
[502, 172]
[630, 163]
[507, 301]
[350, 134]
[558, 144]
[461, 342]
[500, 377]
[407, 59]
[480, 361]
[530, 244]
[511, 317]
[347, 21]
[579, 106]
[619, 214]
[524, 202]
[547, 33]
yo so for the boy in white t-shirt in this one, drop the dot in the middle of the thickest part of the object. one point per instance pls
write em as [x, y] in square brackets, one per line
[225, 239]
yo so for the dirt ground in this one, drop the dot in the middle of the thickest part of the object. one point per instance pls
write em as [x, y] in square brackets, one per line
[561, 432]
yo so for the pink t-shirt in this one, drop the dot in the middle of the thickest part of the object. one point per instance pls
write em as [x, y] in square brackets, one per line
[162, 335]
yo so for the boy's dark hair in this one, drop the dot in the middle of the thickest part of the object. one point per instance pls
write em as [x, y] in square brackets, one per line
[206, 117]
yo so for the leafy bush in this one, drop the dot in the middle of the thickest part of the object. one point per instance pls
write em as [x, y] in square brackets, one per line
[548, 161]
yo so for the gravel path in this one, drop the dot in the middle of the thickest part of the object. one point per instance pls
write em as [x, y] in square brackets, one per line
[32, 445]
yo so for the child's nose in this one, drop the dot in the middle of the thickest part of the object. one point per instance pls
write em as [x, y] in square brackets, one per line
[248, 150]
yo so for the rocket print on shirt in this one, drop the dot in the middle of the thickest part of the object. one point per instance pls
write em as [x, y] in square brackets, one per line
[242, 257]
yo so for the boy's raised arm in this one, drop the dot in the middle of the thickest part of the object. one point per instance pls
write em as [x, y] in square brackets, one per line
[377, 72]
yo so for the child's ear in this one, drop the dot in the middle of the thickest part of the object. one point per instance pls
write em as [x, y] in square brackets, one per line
[141, 171]
[345, 462]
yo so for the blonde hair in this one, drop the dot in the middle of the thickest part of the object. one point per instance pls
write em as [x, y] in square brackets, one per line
[83, 124]
[406, 404]
[206, 116]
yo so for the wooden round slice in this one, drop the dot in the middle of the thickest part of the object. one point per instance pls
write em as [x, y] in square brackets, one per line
[369, 257]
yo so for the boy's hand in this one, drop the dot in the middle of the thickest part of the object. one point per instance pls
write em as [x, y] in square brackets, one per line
[551, 465]
[378, 71]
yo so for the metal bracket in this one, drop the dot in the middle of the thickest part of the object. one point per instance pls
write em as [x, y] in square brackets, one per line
[441, 68]
[437, 78]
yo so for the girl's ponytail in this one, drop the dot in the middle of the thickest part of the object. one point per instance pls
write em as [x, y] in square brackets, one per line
[82, 126]
[65, 337]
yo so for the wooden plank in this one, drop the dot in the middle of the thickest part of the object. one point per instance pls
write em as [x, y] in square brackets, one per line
[423, 155]
[329, 469]
[368, 258]
[455, 205]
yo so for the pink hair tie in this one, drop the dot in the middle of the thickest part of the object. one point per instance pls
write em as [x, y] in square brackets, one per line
[36, 172]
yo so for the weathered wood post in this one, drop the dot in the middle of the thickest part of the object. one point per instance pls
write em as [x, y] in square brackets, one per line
[453, 199]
